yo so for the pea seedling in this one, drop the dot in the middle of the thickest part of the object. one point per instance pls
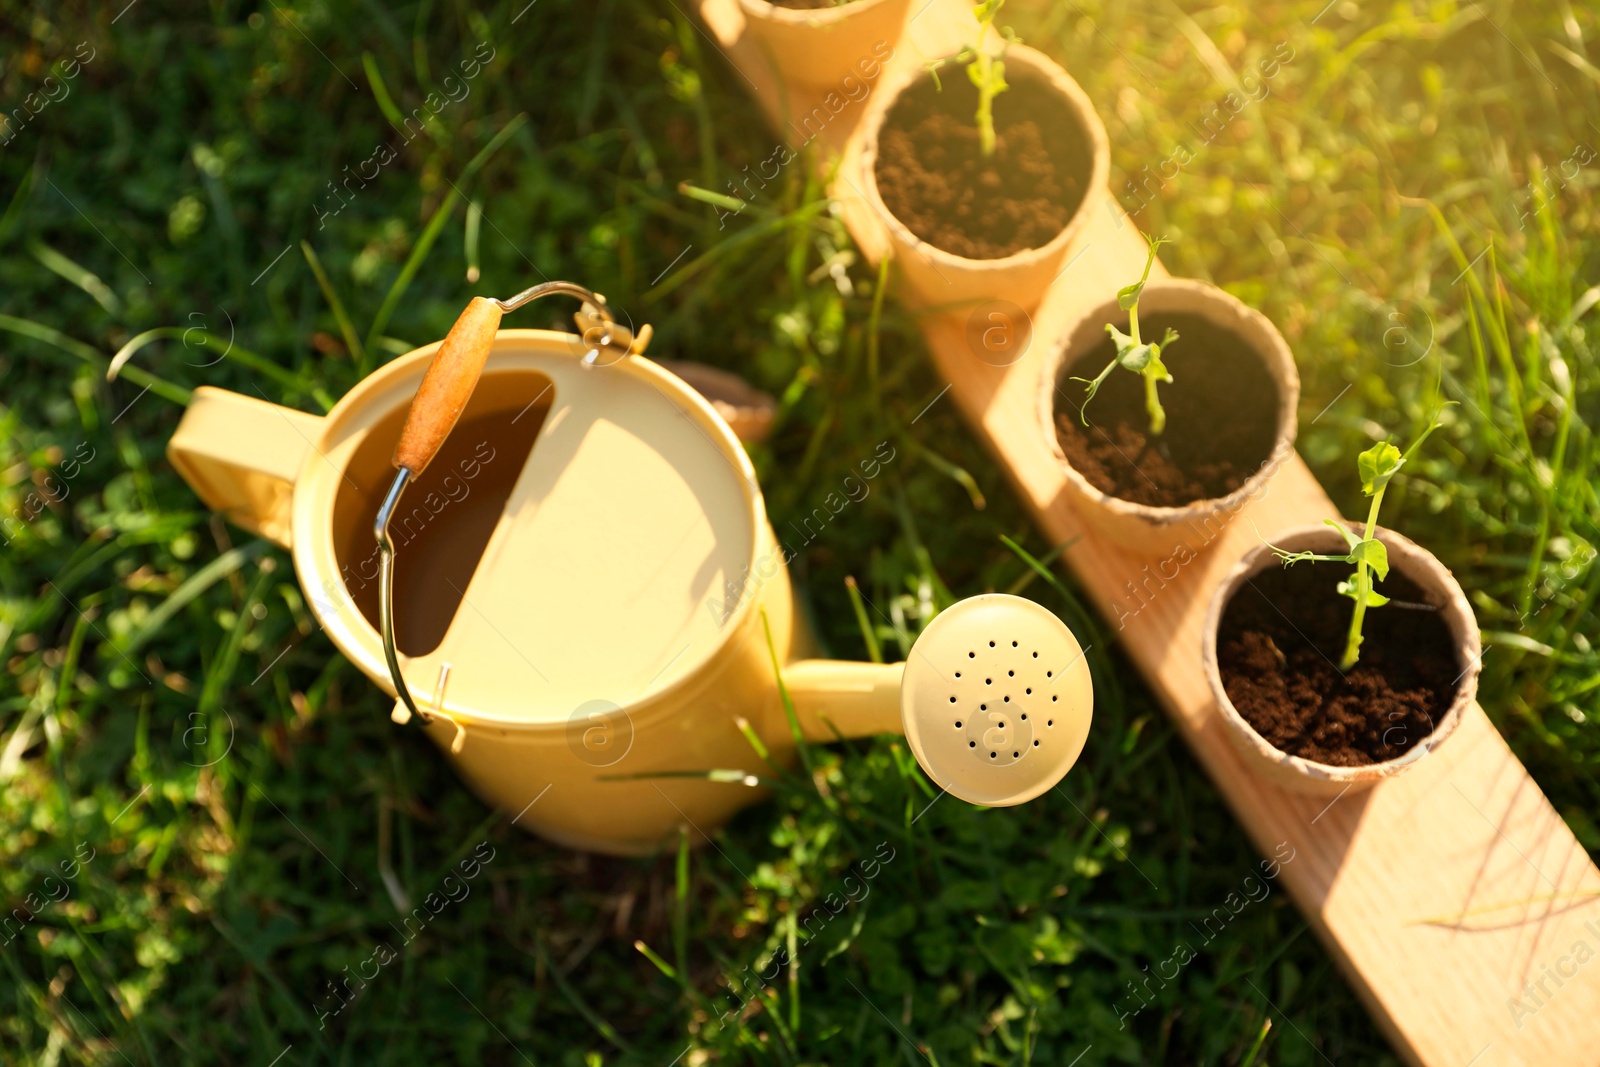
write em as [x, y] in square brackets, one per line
[987, 72]
[1377, 466]
[1133, 354]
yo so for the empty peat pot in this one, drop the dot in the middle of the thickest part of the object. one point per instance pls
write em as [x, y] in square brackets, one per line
[1230, 417]
[1272, 642]
[831, 47]
[965, 229]
[589, 604]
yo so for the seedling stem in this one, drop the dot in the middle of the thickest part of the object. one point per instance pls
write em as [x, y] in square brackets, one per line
[1377, 466]
[1133, 353]
[986, 71]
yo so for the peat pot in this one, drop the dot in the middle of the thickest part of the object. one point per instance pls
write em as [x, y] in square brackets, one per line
[986, 265]
[1230, 418]
[1415, 678]
[828, 47]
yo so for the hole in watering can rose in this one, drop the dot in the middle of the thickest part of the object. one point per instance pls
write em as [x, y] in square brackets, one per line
[447, 516]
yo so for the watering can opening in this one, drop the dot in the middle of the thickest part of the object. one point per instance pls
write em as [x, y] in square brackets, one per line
[571, 541]
[452, 509]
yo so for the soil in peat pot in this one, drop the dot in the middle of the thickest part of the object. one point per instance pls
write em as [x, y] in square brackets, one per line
[933, 177]
[1222, 417]
[1278, 649]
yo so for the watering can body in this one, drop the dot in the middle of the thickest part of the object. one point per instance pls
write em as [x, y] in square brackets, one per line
[591, 602]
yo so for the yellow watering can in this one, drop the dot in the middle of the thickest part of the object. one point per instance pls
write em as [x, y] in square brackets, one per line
[554, 553]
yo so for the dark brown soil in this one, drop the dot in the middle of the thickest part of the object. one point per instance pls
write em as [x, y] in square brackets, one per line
[1279, 646]
[933, 176]
[1222, 417]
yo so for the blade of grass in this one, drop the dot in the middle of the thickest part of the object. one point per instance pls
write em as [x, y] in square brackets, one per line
[380, 91]
[220, 671]
[603, 1028]
[874, 650]
[430, 233]
[72, 346]
[18, 200]
[748, 236]
[661, 965]
[680, 908]
[801, 746]
[119, 366]
[950, 470]
[197, 583]
[1255, 1049]
[331, 295]
[78, 275]
[470, 239]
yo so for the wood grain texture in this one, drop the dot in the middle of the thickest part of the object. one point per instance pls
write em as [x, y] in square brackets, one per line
[447, 385]
[1442, 894]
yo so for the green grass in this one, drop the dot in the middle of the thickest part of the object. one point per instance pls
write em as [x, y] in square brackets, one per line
[142, 637]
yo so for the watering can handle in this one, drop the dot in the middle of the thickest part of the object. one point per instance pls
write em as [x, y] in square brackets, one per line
[453, 374]
[447, 385]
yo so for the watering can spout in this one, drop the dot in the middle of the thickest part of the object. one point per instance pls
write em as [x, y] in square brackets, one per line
[834, 700]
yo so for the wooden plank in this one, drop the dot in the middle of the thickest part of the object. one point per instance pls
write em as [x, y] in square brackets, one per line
[1458, 903]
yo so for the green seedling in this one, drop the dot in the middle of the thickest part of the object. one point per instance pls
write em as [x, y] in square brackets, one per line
[1377, 466]
[1133, 354]
[986, 71]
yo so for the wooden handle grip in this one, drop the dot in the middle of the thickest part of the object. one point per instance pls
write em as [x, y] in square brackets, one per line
[447, 386]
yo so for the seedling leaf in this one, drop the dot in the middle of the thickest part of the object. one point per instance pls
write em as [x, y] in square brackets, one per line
[1377, 465]
[1351, 538]
[1374, 554]
[1373, 598]
[1130, 354]
[1157, 369]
